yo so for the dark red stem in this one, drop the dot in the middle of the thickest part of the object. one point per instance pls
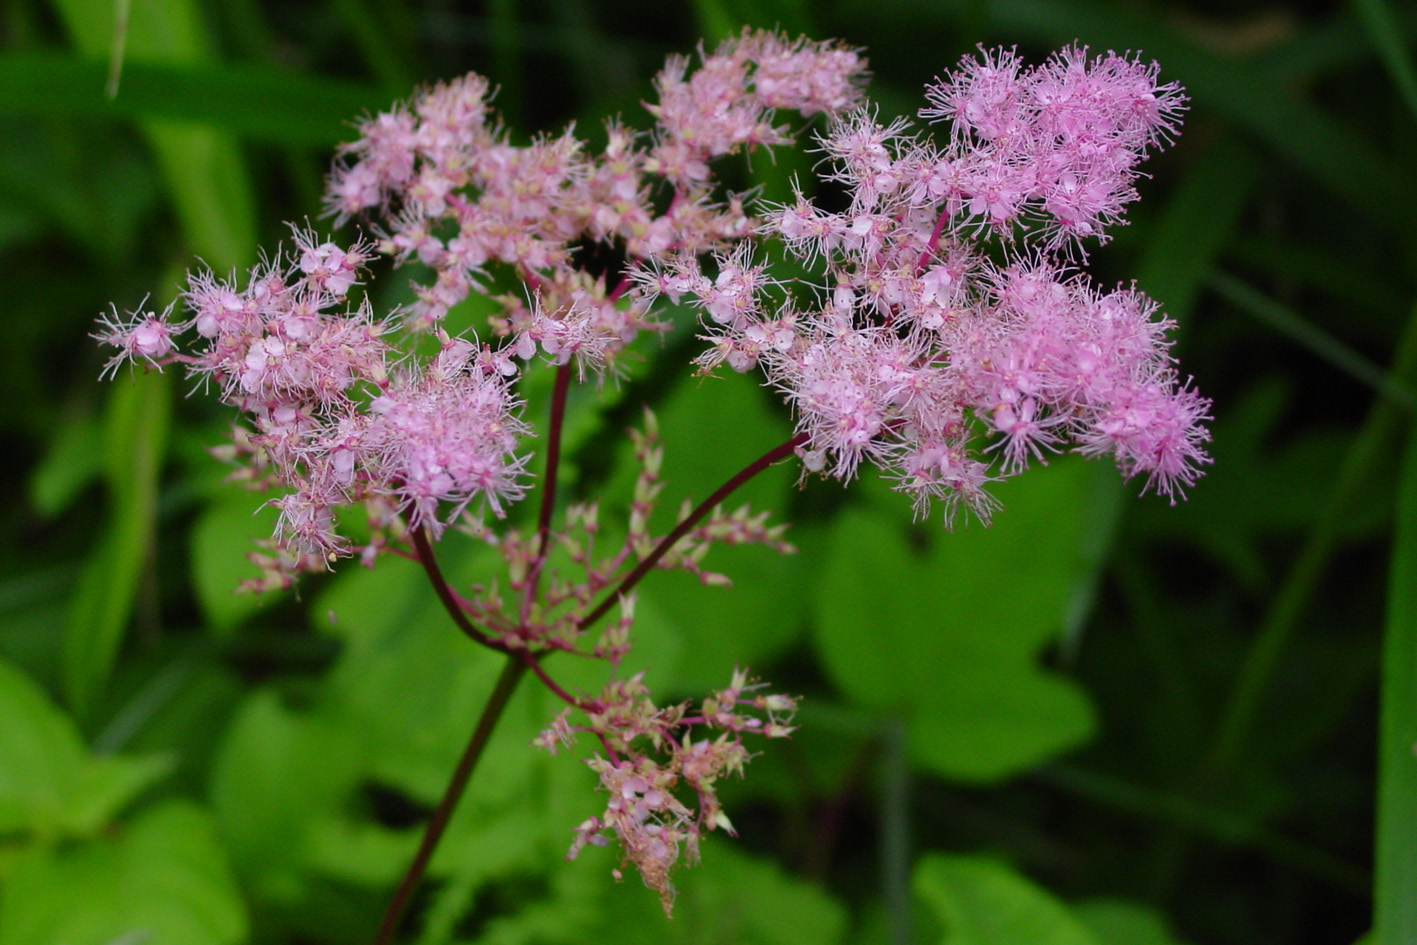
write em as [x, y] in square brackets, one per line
[778, 452]
[554, 429]
[424, 548]
[497, 702]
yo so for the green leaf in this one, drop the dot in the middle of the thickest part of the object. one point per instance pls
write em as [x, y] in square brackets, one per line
[982, 902]
[951, 637]
[222, 537]
[1395, 906]
[710, 429]
[204, 170]
[398, 639]
[163, 880]
[724, 19]
[50, 785]
[275, 778]
[1120, 922]
[135, 434]
[256, 103]
[70, 464]
[1387, 36]
[394, 713]
[212, 196]
[729, 896]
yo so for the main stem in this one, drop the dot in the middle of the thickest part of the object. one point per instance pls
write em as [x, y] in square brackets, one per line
[512, 672]
[518, 663]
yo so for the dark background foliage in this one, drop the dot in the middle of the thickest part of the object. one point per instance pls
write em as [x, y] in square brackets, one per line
[1104, 720]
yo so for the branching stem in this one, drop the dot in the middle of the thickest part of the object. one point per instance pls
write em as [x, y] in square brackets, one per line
[518, 663]
[627, 583]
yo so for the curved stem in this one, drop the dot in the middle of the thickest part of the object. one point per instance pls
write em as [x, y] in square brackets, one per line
[512, 673]
[529, 659]
[778, 452]
[424, 547]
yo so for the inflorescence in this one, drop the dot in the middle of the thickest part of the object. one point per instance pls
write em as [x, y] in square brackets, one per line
[947, 334]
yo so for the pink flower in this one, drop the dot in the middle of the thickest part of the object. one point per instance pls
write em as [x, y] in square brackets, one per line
[439, 439]
[142, 335]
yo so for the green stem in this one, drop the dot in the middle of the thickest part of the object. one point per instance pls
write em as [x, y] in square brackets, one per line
[1394, 904]
[512, 673]
[1383, 421]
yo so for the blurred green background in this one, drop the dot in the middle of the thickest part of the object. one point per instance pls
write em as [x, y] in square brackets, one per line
[1103, 721]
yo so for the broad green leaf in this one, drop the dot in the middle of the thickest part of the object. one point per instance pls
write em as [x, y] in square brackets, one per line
[734, 897]
[729, 896]
[982, 902]
[162, 880]
[50, 785]
[399, 640]
[1395, 905]
[222, 537]
[276, 777]
[1120, 922]
[950, 637]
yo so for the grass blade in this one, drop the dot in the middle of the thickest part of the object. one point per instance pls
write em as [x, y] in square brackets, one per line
[1395, 896]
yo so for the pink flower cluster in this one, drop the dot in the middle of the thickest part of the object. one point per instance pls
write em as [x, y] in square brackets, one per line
[1061, 140]
[643, 812]
[942, 310]
[331, 419]
[458, 195]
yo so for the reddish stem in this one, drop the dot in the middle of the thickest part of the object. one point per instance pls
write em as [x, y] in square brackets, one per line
[532, 663]
[555, 426]
[628, 582]
[934, 242]
[496, 703]
[425, 555]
